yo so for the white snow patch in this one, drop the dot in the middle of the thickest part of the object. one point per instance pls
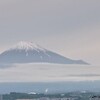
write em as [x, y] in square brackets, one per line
[28, 46]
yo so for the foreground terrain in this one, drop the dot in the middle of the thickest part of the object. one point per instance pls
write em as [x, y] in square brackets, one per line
[62, 96]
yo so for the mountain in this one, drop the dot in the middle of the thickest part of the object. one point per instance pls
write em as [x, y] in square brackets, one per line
[27, 52]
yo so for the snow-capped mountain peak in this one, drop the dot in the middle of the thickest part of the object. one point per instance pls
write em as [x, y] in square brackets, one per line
[23, 45]
[28, 52]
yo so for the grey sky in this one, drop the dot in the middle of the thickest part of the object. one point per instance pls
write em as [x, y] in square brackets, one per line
[69, 27]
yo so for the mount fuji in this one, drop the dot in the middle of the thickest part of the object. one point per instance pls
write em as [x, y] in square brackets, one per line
[27, 52]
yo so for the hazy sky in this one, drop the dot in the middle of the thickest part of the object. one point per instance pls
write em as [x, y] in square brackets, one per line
[68, 27]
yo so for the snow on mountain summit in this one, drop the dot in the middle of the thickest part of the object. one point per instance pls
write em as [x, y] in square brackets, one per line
[28, 52]
[23, 45]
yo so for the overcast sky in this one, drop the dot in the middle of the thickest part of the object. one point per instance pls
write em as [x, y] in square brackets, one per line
[68, 27]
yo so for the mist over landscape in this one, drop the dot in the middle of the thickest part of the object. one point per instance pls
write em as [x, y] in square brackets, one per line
[55, 77]
[48, 73]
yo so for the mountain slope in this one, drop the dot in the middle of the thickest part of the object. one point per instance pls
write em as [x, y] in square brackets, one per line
[27, 52]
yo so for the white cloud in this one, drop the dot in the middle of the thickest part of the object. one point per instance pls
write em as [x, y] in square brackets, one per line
[49, 73]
